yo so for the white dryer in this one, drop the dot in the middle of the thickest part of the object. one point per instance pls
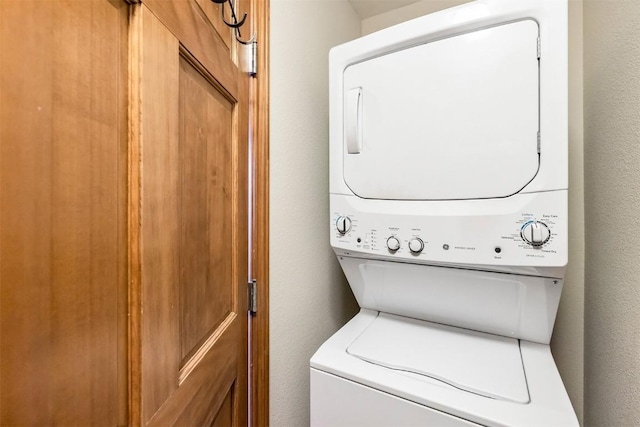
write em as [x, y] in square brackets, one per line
[448, 154]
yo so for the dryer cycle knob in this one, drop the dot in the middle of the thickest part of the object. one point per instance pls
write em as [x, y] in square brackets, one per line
[343, 224]
[535, 233]
[416, 245]
[393, 243]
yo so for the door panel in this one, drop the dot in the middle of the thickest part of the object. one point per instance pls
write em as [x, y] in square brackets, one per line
[63, 175]
[205, 207]
[455, 118]
[72, 212]
[190, 221]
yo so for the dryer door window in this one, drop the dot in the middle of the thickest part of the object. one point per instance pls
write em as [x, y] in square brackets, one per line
[456, 118]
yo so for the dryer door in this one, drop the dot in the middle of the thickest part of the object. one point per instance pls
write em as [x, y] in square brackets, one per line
[452, 119]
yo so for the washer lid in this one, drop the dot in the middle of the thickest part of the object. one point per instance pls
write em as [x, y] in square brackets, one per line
[484, 364]
[456, 118]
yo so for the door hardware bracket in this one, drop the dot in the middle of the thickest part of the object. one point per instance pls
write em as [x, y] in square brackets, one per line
[253, 296]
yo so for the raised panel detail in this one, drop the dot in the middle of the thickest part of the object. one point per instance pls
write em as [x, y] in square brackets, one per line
[205, 148]
[190, 316]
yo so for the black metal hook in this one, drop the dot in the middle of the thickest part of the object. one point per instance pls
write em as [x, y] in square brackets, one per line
[235, 24]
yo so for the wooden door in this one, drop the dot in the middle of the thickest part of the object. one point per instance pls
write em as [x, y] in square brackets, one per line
[63, 226]
[188, 206]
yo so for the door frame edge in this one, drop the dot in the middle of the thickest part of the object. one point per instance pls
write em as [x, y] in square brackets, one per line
[259, 356]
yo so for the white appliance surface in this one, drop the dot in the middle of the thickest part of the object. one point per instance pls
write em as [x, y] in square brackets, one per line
[480, 233]
[343, 386]
[448, 181]
[368, 407]
[477, 23]
[455, 118]
[476, 362]
[511, 305]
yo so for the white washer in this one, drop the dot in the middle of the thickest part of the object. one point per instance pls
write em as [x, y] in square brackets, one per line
[350, 390]
[448, 184]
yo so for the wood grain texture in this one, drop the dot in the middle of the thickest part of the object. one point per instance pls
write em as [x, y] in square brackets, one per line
[260, 126]
[205, 187]
[212, 12]
[135, 216]
[190, 315]
[240, 246]
[186, 20]
[63, 212]
[75, 220]
[160, 226]
[225, 413]
[197, 401]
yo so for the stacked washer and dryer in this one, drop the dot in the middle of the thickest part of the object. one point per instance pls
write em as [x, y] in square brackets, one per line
[448, 168]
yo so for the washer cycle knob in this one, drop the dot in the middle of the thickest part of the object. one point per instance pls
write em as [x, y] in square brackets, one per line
[535, 233]
[343, 224]
[416, 245]
[393, 244]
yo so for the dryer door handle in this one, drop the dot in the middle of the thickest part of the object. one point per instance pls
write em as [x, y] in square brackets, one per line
[353, 121]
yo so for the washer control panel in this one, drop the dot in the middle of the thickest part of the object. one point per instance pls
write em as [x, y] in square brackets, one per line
[515, 234]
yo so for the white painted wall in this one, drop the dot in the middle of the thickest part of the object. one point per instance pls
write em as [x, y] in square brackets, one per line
[309, 297]
[612, 207]
[405, 13]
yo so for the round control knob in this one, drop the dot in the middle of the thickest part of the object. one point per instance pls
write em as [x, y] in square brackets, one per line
[343, 224]
[535, 233]
[416, 245]
[393, 244]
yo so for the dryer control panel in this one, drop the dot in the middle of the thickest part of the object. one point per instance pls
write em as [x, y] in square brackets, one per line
[521, 230]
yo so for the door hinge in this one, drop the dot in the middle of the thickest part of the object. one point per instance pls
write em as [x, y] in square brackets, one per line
[251, 58]
[539, 48]
[253, 296]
